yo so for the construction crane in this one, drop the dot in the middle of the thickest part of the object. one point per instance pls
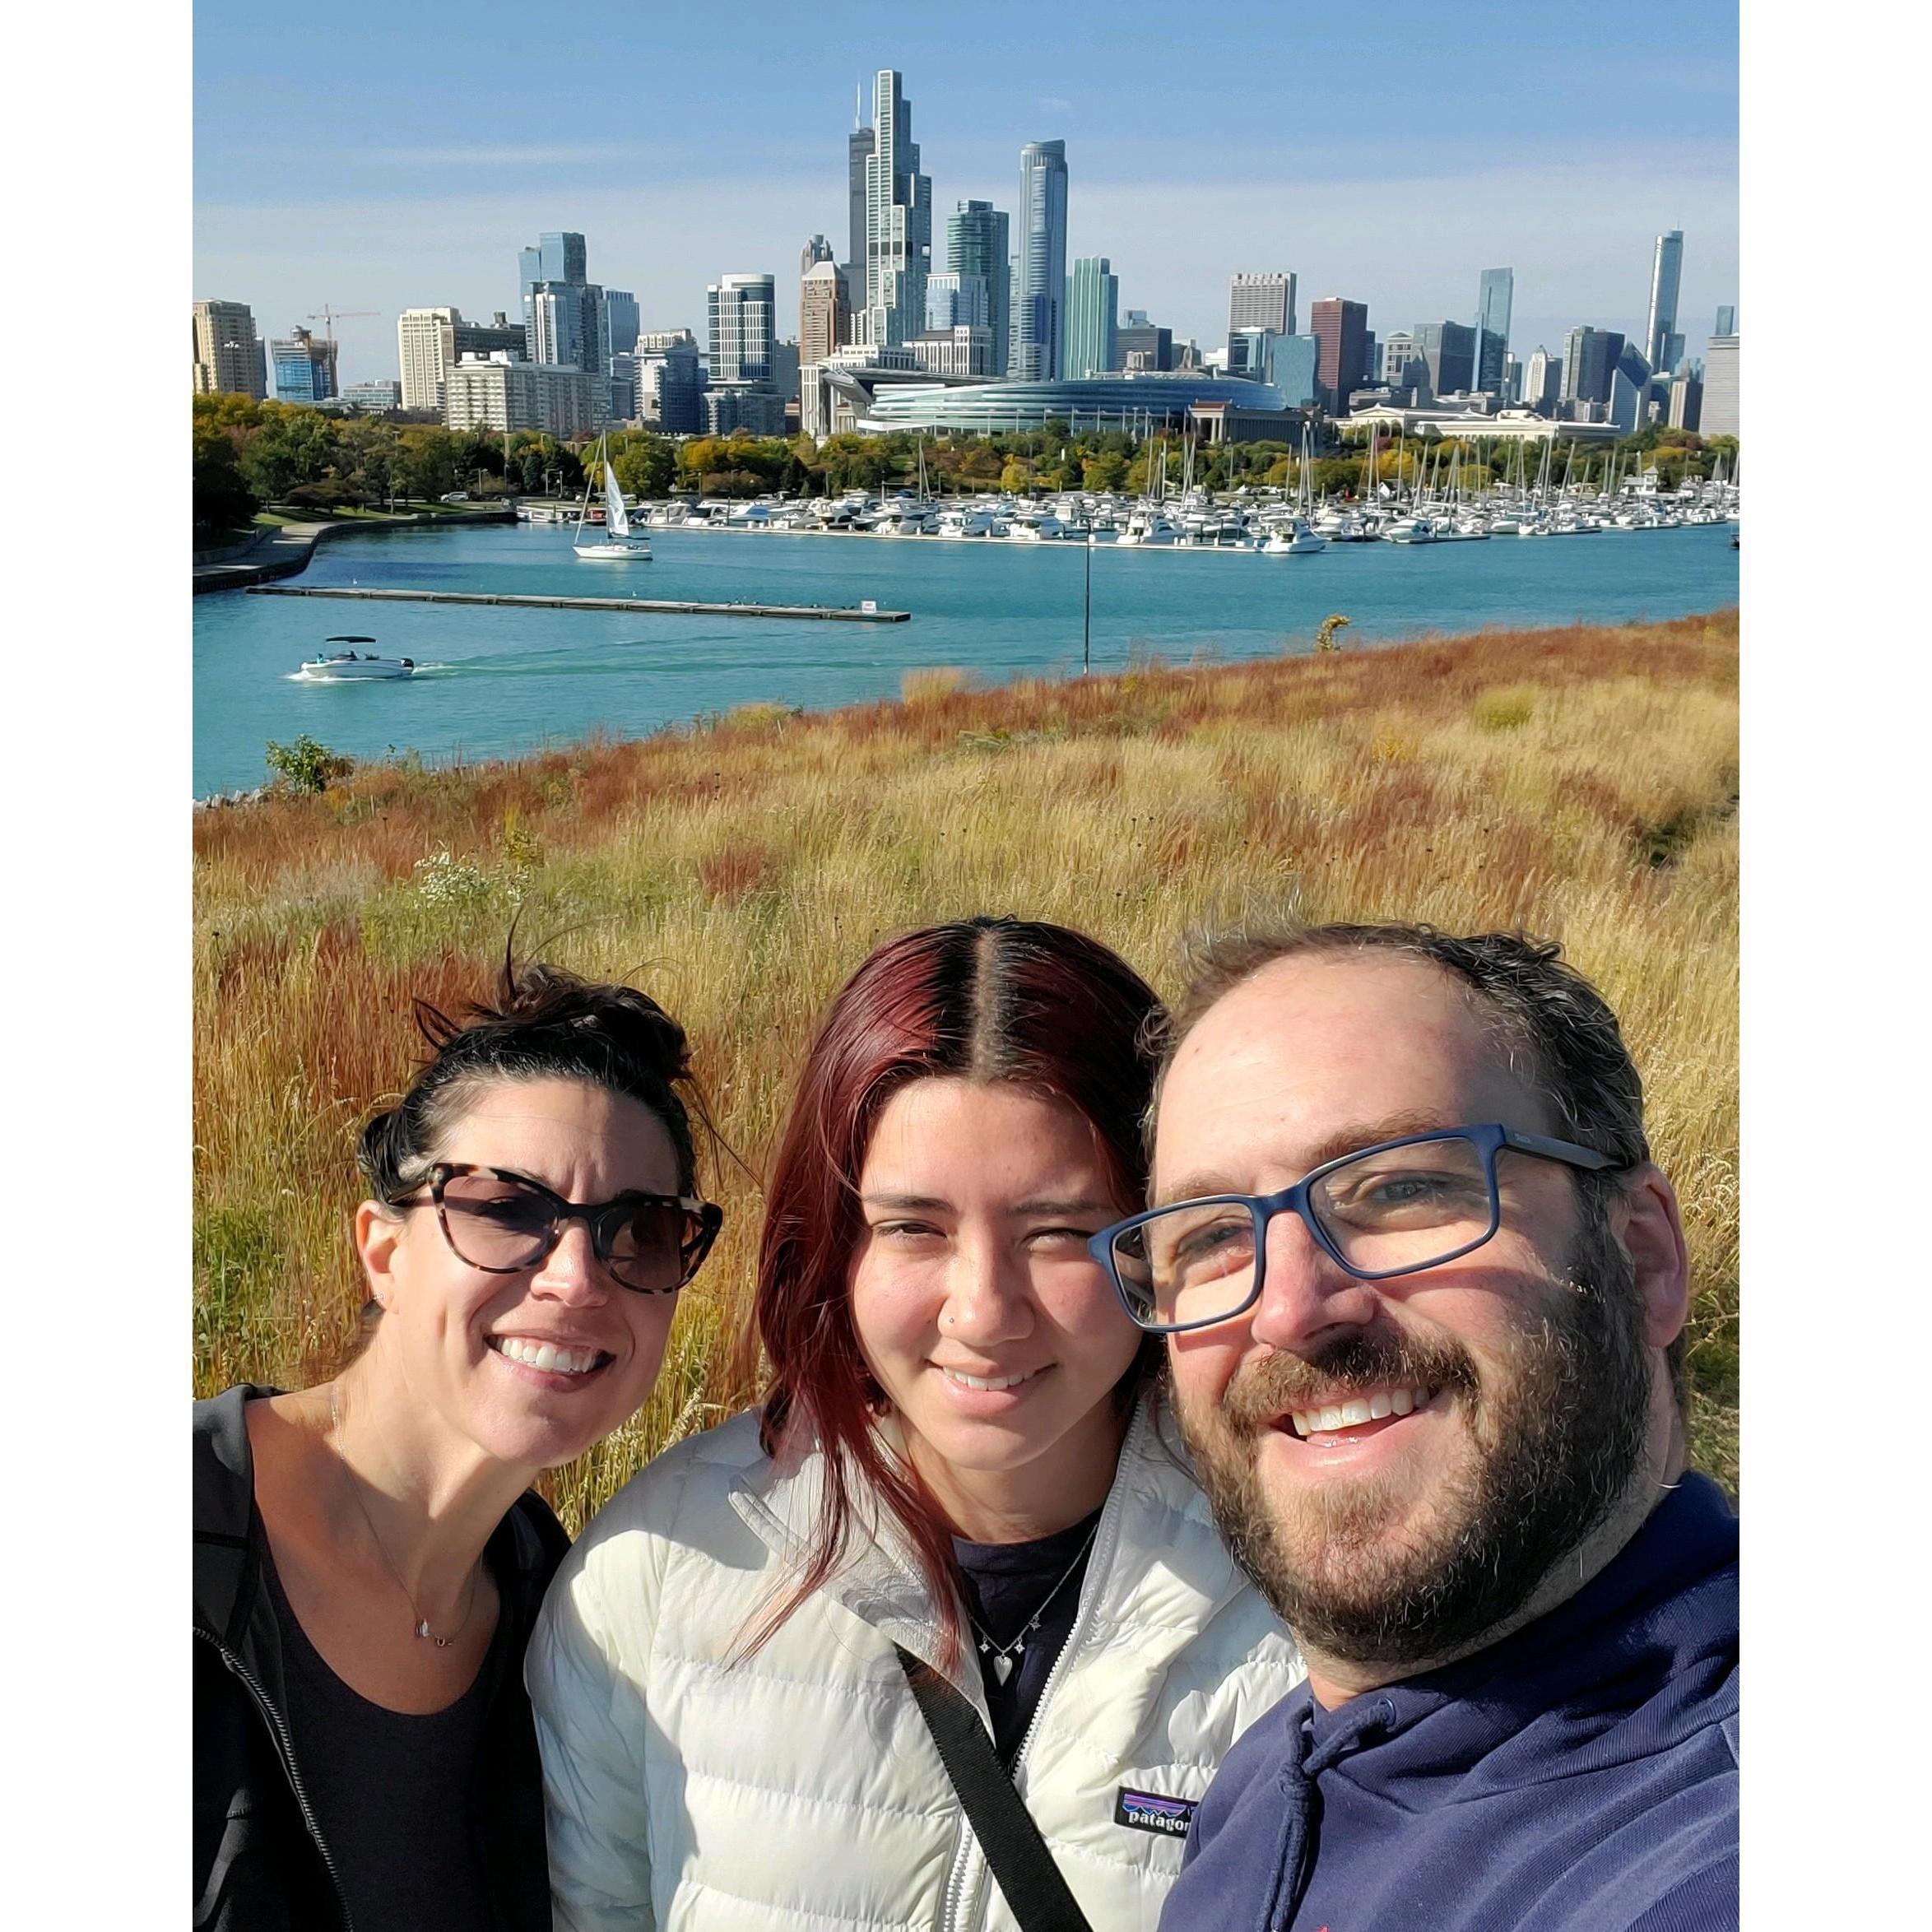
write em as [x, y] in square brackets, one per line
[330, 317]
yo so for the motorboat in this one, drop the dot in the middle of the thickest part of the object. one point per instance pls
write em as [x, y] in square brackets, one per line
[1293, 539]
[1411, 529]
[962, 522]
[1148, 529]
[337, 667]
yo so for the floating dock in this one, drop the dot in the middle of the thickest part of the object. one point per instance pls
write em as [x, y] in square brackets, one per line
[830, 613]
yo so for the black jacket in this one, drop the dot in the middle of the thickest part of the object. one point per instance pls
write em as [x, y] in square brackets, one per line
[260, 1866]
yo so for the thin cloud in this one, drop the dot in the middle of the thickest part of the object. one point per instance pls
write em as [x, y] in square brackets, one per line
[484, 157]
[1053, 102]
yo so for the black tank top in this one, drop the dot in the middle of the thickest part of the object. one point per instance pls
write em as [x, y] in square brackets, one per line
[390, 1789]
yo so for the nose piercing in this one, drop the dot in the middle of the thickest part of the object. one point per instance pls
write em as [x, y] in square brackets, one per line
[947, 1320]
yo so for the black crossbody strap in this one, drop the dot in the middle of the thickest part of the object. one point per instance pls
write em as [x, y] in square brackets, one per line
[1029, 1880]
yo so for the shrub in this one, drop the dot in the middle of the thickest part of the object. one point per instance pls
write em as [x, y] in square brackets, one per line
[444, 881]
[307, 766]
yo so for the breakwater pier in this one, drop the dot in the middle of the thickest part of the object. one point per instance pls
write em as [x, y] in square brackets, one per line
[661, 606]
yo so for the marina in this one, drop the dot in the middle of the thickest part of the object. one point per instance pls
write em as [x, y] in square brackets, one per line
[536, 669]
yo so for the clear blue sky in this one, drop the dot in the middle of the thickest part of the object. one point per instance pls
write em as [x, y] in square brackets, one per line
[377, 158]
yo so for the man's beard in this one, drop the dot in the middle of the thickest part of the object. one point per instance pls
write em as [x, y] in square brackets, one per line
[1556, 1435]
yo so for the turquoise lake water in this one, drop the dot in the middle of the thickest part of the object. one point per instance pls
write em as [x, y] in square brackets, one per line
[495, 682]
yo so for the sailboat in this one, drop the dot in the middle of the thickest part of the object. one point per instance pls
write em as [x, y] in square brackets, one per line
[617, 544]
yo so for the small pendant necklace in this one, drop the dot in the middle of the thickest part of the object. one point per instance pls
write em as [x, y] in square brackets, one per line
[1002, 1655]
[422, 1622]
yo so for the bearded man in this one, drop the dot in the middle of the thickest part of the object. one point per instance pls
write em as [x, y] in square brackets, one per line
[1424, 1293]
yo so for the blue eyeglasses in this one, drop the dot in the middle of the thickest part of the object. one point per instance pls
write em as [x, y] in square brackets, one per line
[1393, 1209]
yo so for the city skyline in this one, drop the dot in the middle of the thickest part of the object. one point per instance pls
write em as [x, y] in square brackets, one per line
[1178, 213]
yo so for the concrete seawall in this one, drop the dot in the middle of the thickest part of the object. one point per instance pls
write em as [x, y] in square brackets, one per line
[284, 552]
[679, 606]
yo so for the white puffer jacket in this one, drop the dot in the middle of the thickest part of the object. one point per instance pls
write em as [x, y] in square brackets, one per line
[798, 1791]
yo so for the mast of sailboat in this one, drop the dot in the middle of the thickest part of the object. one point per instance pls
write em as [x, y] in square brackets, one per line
[590, 471]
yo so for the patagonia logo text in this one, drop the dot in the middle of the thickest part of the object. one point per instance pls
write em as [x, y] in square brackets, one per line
[1147, 1811]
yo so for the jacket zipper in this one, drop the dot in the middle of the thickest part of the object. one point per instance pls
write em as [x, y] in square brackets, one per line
[1082, 1616]
[286, 1747]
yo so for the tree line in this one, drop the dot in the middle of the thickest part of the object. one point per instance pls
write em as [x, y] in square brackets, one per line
[247, 454]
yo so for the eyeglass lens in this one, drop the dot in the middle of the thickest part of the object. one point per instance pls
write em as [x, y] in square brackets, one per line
[1389, 1209]
[499, 1223]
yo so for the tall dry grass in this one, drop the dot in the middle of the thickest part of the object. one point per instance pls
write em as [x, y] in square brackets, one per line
[1580, 782]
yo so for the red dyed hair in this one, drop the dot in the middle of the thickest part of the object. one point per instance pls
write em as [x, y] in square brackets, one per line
[983, 999]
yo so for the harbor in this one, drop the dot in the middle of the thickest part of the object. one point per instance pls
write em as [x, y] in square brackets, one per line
[495, 679]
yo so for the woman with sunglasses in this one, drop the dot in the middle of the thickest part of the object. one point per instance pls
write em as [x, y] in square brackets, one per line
[960, 1492]
[368, 1558]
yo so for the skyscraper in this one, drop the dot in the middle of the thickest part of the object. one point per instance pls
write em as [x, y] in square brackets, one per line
[565, 326]
[1495, 291]
[1662, 344]
[1138, 337]
[899, 220]
[818, 249]
[743, 310]
[956, 301]
[1719, 417]
[1341, 327]
[304, 369]
[858, 151]
[822, 317]
[1039, 325]
[1290, 365]
[425, 347]
[977, 244]
[1687, 402]
[572, 328]
[1093, 318]
[557, 257]
[1401, 364]
[1589, 355]
[1542, 377]
[227, 354]
[1448, 350]
[620, 318]
[1259, 301]
[1727, 322]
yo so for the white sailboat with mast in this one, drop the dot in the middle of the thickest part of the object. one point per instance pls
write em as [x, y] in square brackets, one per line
[618, 544]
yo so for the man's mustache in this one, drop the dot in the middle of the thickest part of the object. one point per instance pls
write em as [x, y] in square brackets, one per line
[1264, 1389]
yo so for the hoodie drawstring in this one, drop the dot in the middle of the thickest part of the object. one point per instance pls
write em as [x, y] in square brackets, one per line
[1301, 1802]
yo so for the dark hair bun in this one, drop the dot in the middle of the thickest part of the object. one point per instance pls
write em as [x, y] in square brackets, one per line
[542, 1022]
[538, 1001]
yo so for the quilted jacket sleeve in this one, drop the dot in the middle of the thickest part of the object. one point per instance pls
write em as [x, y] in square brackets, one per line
[585, 1668]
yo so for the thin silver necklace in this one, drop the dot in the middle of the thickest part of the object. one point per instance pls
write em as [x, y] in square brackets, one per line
[1003, 1654]
[422, 1622]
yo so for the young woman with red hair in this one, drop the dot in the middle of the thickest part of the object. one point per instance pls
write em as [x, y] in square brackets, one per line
[961, 1467]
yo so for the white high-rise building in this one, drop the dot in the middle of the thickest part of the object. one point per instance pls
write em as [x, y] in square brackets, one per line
[899, 220]
[1039, 281]
[743, 311]
[495, 393]
[1261, 301]
[425, 347]
[1543, 377]
[227, 352]
[1719, 414]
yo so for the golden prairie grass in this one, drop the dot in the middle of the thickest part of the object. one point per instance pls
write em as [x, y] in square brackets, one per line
[1580, 784]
